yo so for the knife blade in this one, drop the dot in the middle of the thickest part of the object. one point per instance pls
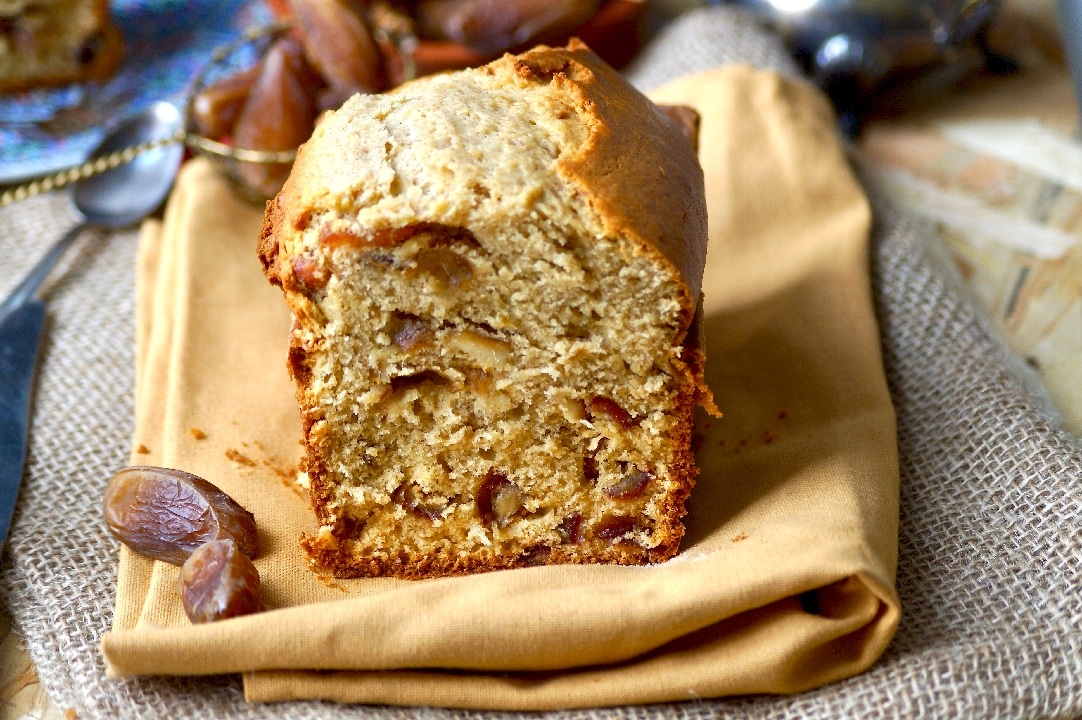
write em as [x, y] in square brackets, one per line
[20, 337]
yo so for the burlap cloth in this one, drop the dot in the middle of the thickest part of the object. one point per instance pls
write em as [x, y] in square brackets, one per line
[989, 559]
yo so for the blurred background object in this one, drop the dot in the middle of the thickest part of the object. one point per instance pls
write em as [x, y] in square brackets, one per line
[995, 166]
[453, 34]
[336, 48]
[876, 56]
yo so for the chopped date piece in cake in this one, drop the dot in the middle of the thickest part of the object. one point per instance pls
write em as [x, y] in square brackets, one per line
[618, 527]
[570, 529]
[536, 556]
[447, 269]
[410, 333]
[421, 507]
[589, 468]
[631, 485]
[601, 406]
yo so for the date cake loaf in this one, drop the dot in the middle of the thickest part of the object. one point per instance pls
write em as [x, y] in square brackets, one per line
[494, 277]
[52, 42]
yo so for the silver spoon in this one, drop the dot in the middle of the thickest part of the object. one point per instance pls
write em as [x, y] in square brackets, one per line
[119, 197]
[114, 199]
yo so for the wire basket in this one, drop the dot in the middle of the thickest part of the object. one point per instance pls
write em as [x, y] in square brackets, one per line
[228, 60]
[236, 163]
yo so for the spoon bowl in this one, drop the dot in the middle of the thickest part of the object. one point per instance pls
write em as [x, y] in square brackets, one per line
[128, 193]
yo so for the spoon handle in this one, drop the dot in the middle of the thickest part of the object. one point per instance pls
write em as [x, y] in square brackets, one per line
[25, 290]
[94, 166]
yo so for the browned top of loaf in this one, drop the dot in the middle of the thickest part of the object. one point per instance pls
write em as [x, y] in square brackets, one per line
[634, 169]
[637, 168]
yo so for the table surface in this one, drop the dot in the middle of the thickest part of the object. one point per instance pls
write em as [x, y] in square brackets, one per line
[995, 168]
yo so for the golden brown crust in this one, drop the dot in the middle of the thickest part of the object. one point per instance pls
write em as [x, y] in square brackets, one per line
[694, 361]
[267, 248]
[634, 145]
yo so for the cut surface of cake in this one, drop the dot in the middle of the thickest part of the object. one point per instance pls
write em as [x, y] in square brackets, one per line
[494, 277]
[52, 42]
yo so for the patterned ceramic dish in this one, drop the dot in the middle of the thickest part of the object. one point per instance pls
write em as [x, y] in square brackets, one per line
[167, 43]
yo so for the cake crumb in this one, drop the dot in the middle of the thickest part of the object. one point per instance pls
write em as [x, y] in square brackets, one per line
[239, 458]
[197, 433]
[740, 537]
[143, 450]
[70, 714]
[287, 475]
[330, 582]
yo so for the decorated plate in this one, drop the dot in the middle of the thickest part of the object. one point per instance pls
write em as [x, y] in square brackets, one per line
[166, 43]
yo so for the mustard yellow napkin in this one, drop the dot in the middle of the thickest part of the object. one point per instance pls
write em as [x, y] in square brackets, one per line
[786, 577]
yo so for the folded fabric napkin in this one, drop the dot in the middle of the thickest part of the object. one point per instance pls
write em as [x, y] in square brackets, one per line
[786, 577]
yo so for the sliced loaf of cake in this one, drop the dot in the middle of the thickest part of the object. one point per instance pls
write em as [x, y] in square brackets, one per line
[494, 277]
[52, 42]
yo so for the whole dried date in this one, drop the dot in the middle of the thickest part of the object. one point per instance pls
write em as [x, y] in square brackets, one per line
[218, 581]
[166, 514]
[492, 26]
[340, 46]
[279, 114]
[216, 108]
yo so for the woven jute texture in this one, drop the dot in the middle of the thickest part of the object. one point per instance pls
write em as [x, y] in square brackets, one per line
[991, 489]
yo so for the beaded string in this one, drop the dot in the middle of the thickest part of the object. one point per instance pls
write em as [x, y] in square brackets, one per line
[95, 166]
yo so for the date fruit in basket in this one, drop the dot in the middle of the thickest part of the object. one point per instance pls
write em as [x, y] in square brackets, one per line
[390, 19]
[493, 26]
[216, 108]
[336, 48]
[166, 514]
[217, 582]
[340, 46]
[279, 114]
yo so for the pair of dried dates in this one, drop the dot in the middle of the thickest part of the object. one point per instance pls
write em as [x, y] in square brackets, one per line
[182, 519]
